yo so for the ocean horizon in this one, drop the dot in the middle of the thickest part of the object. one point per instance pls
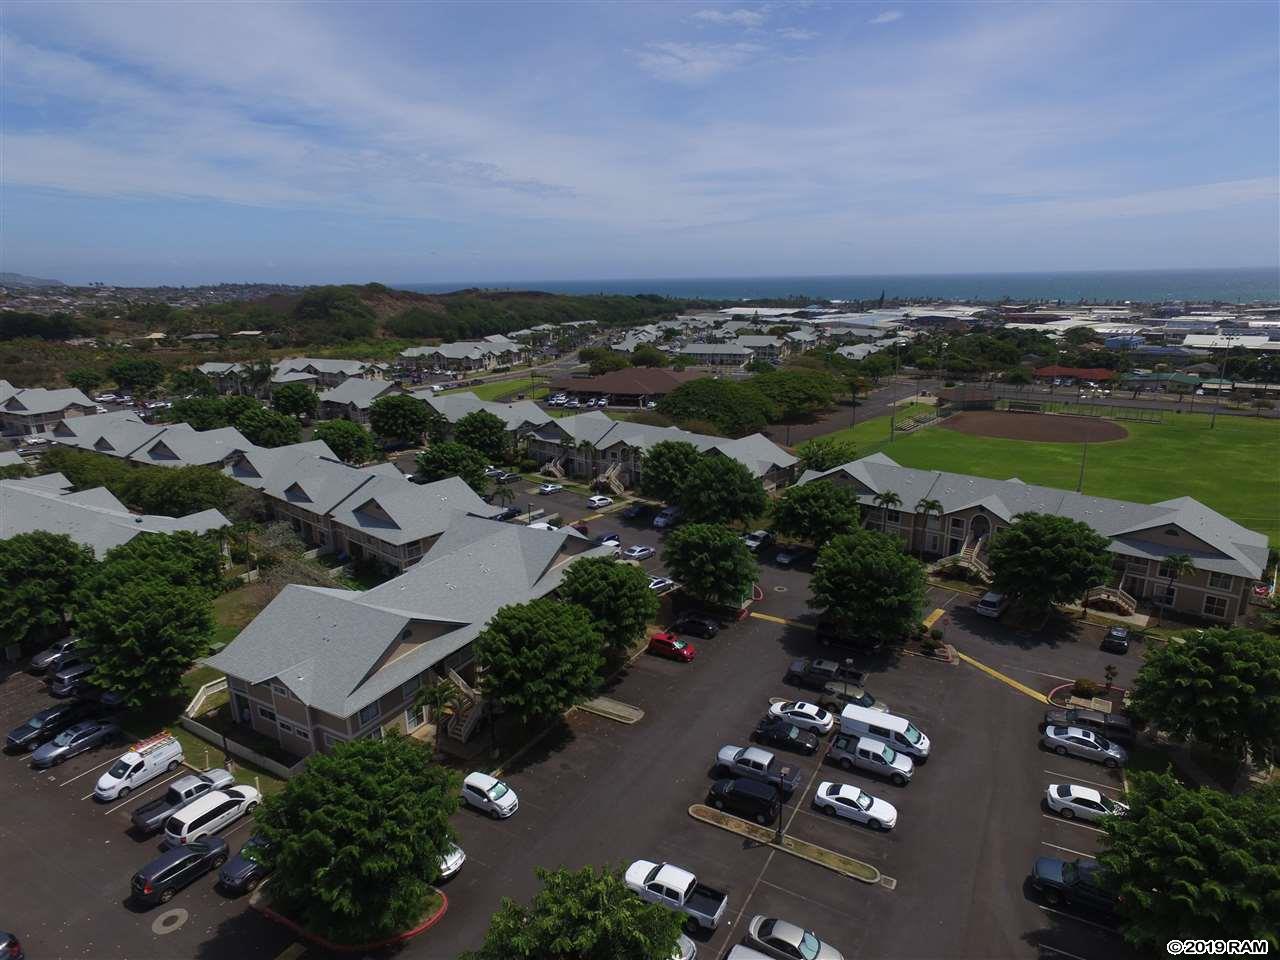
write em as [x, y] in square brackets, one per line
[1227, 285]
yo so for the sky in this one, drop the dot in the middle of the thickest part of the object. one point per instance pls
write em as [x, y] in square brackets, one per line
[402, 142]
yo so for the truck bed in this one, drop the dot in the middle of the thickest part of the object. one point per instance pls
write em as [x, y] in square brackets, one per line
[706, 902]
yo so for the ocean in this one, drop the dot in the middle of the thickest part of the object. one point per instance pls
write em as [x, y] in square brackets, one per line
[1242, 285]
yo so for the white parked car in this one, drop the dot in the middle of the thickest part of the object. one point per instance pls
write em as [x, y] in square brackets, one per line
[787, 941]
[105, 398]
[452, 861]
[847, 801]
[550, 488]
[489, 795]
[597, 502]
[638, 552]
[209, 814]
[661, 584]
[543, 525]
[1070, 801]
[805, 715]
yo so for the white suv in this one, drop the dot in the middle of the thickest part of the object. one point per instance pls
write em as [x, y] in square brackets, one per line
[489, 795]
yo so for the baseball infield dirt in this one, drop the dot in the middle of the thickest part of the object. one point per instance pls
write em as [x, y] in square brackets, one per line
[1044, 427]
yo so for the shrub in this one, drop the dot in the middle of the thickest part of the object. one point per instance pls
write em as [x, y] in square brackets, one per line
[1086, 688]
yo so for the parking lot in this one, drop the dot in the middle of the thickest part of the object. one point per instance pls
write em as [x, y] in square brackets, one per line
[971, 822]
[68, 860]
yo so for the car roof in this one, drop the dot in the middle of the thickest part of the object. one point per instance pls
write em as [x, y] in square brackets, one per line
[481, 780]
[1078, 732]
[1085, 793]
[756, 754]
[207, 802]
[788, 932]
[174, 854]
[845, 790]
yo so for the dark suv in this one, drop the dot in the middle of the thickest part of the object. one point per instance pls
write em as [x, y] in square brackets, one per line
[245, 870]
[168, 873]
[1074, 882]
[1110, 725]
[696, 625]
[48, 723]
[746, 798]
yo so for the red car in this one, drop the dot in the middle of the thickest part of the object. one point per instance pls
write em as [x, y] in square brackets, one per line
[672, 647]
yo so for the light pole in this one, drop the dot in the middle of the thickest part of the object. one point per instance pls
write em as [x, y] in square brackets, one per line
[1217, 396]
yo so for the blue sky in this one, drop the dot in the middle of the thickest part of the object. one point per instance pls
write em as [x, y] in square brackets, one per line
[431, 142]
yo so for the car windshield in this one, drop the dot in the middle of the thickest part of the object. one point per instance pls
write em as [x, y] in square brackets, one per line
[912, 734]
[31, 726]
[678, 644]
[1109, 805]
[1069, 873]
[498, 791]
[793, 732]
[118, 769]
[809, 946]
[862, 800]
[1063, 790]
[889, 754]
[1103, 742]
[65, 737]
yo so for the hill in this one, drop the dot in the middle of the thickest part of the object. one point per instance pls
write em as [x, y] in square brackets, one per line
[22, 280]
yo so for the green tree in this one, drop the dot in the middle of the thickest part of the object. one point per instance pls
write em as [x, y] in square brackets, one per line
[349, 441]
[1043, 559]
[238, 406]
[648, 356]
[796, 392]
[267, 428]
[1175, 567]
[356, 838]
[868, 586]
[735, 408]
[825, 453]
[295, 400]
[540, 658]
[926, 507]
[816, 512]
[664, 468]
[16, 471]
[1017, 377]
[201, 413]
[719, 489]
[178, 491]
[327, 314]
[886, 500]
[399, 417]
[435, 698]
[1194, 863]
[485, 433]
[617, 596]
[183, 382]
[85, 379]
[182, 559]
[1220, 687]
[586, 914]
[608, 361]
[452, 459]
[39, 573]
[140, 376]
[711, 563]
[142, 635]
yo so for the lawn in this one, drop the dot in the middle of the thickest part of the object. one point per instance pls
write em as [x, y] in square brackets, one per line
[498, 389]
[876, 430]
[1233, 468]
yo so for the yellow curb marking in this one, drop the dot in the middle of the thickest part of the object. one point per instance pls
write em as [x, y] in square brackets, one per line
[933, 618]
[782, 620]
[1020, 687]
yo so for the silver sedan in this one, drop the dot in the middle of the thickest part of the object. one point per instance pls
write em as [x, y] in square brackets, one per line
[1078, 742]
[786, 941]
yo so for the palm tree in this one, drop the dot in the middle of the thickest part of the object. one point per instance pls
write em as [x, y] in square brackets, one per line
[1179, 565]
[886, 500]
[924, 507]
[502, 494]
[436, 698]
[256, 375]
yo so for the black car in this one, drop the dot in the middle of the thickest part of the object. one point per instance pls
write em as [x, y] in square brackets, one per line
[696, 625]
[508, 514]
[1116, 640]
[10, 946]
[47, 724]
[777, 732]
[243, 872]
[168, 873]
[637, 511]
[1113, 726]
[1072, 882]
[831, 635]
[746, 798]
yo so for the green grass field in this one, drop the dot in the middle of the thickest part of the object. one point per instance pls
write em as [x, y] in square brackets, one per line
[1233, 468]
[496, 389]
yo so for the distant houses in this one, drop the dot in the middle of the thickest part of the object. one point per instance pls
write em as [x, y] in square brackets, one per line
[485, 354]
[26, 410]
[352, 399]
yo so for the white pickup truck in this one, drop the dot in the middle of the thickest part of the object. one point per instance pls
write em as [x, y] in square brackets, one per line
[678, 889]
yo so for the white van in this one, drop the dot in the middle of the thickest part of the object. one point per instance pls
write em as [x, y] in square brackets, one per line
[992, 605]
[145, 760]
[209, 814]
[667, 518]
[897, 732]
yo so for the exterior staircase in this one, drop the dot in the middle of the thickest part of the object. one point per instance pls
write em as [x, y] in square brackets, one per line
[969, 557]
[610, 479]
[555, 467]
[1112, 595]
[471, 708]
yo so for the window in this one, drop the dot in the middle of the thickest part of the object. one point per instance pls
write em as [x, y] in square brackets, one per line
[330, 741]
[1164, 594]
[280, 690]
[1220, 581]
[368, 714]
[892, 516]
[266, 714]
[415, 717]
[1215, 606]
[957, 523]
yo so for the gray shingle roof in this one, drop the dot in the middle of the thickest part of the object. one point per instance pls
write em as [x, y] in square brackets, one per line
[179, 445]
[351, 368]
[324, 643]
[724, 348]
[94, 518]
[37, 400]
[1232, 548]
[454, 406]
[359, 392]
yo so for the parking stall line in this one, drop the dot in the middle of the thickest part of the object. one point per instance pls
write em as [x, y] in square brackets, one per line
[134, 795]
[1092, 783]
[90, 770]
[800, 896]
[1078, 853]
[242, 822]
[1071, 823]
[1072, 916]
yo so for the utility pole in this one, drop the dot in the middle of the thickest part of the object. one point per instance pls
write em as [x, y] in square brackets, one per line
[1217, 394]
[1084, 458]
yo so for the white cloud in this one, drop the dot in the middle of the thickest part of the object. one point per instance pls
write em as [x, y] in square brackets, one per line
[796, 33]
[695, 62]
[887, 17]
[737, 18]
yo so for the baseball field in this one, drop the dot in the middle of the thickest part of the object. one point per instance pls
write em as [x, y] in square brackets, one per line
[1233, 467]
